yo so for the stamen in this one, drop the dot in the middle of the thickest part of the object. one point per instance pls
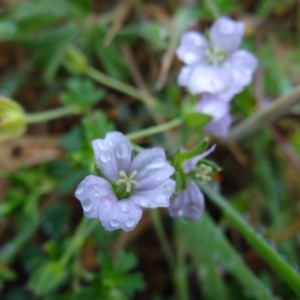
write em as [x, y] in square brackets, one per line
[128, 181]
[202, 171]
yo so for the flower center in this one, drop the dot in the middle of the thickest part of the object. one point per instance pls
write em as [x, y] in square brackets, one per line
[127, 181]
[203, 172]
[215, 57]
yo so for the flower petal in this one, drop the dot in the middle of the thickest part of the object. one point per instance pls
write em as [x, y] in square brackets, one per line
[211, 105]
[204, 78]
[243, 64]
[191, 164]
[123, 214]
[113, 154]
[184, 76]
[90, 192]
[219, 128]
[189, 204]
[156, 197]
[226, 34]
[152, 168]
[192, 48]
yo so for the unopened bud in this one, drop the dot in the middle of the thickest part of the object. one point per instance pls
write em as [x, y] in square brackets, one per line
[12, 119]
[74, 60]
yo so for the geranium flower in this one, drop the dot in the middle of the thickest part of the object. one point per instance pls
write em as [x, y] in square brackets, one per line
[219, 110]
[127, 185]
[217, 66]
[189, 204]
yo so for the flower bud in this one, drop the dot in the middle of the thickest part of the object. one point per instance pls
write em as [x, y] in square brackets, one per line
[12, 119]
[74, 60]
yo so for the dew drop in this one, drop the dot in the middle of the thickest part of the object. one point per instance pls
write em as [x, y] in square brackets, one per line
[160, 199]
[87, 204]
[169, 187]
[122, 150]
[101, 146]
[97, 194]
[110, 143]
[157, 163]
[95, 187]
[79, 190]
[103, 158]
[144, 202]
[114, 223]
[125, 207]
[158, 178]
[130, 223]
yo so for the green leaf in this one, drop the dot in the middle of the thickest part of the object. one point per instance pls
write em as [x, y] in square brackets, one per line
[216, 246]
[47, 278]
[197, 120]
[82, 94]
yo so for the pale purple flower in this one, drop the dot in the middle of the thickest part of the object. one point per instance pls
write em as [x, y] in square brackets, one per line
[189, 204]
[216, 67]
[219, 110]
[144, 180]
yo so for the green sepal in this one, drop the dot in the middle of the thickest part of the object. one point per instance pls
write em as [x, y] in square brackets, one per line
[180, 157]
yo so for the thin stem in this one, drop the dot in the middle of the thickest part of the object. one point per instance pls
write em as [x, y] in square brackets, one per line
[83, 230]
[264, 116]
[282, 268]
[181, 271]
[49, 115]
[162, 237]
[122, 87]
[155, 129]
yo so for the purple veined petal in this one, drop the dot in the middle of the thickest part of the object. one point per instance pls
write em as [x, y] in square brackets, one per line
[226, 34]
[113, 154]
[91, 191]
[152, 168]
[192, 47]
[204, 78]
[243, 64]
[191, 164]
[211, 105]
[219, 128]
[156, 197]
[123, 214]
[189, 204]
[184, 75]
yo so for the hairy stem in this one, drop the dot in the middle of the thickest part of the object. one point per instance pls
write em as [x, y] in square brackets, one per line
[49, 115]
[100, 77]
[155, 129]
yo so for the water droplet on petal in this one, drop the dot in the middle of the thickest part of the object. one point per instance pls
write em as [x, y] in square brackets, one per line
[160, 199]
[79, 190]
[144, 202]
[87, 204]
[125, 207]
[114, 223]
[122, 150]
[95, 187]
[158, 177]
[169, 187]
[157, 163]
[110, 143]
[103, 158]
[101, 146]
[130, 223]
[96, 194]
